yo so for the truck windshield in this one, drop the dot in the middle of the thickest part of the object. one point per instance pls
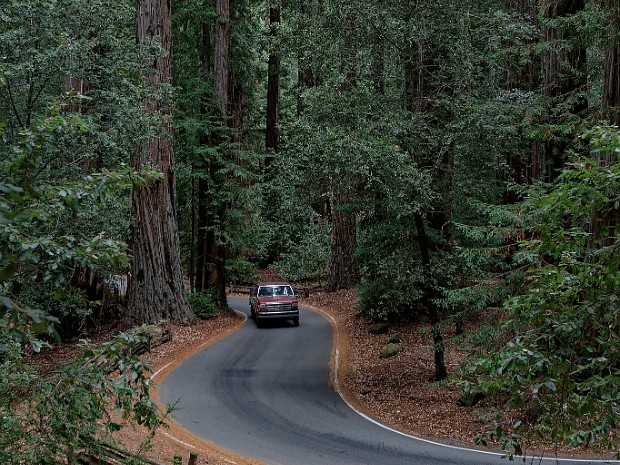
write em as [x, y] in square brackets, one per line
[270, 291]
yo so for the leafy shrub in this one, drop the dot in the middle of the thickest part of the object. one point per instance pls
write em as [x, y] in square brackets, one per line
[203, 304]
[308, 259]
[47, 419]
[241, 271]
[560, 371]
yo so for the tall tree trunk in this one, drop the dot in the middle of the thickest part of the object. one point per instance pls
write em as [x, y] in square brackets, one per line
[419, 67]
[222, 45]
[215, 248]
[604, 223]
[156, 286]
[378, 63]
[204, 220]
[527, 166]
[343, 268]
[564, 74]
[305, 73]
[611, 71]
[273, 84]
[429, 300]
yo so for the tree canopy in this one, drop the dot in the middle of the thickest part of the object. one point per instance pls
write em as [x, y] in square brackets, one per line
[440, 158]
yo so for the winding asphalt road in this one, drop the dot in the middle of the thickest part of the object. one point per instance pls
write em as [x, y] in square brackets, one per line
[265, 394]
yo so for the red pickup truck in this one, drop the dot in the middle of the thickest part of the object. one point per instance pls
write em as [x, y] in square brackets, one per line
[274, 300]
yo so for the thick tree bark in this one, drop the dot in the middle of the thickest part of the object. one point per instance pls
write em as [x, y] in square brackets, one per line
[156, 286]
[343, 268]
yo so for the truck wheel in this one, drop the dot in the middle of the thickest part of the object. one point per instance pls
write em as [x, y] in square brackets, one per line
[295, 321]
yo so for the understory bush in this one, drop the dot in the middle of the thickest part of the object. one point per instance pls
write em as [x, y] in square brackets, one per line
[307, 260]
[203, 304]
[559, 372]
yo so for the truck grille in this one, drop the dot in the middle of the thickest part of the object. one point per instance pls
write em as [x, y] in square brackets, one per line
[279, 307]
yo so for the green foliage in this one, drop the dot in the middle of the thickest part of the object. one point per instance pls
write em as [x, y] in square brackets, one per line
[560, 370]
[71, 99]
[240, 270]
[39, 238]
[203, 304]
[217, 174]
[48, 419]
[307, 259]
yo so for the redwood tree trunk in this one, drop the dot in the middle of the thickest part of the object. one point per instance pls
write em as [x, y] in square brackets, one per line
[564, 75]
[273, 86]
[222, 45]
[156, 286]
[604, 223]
[343, 268]
[429, 300]
[611, 71]
[305, 72]
[204, 220]
[215, 248]
[527, 166]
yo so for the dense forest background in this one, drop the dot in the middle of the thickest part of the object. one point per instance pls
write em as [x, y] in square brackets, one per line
[440, 158]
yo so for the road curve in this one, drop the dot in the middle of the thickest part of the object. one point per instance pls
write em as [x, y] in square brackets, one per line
[265, 394]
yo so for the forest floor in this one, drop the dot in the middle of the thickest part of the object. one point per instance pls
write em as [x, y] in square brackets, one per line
[396, 390]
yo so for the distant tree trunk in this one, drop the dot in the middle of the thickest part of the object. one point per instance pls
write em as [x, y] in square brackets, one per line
[527, 166]
[156, 286]
[305, 73]
[343, 267]
[611, 71]
[203, 221]
[604, 223]
[524, 76]
[429, 300]
[221, 68]
[205, 215]
[215, 248]
[273, 85]
[192, 236]
[564, 74]
[378, 63]
[419, 67]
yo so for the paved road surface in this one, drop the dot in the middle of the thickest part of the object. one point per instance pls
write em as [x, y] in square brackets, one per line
[264, 393]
